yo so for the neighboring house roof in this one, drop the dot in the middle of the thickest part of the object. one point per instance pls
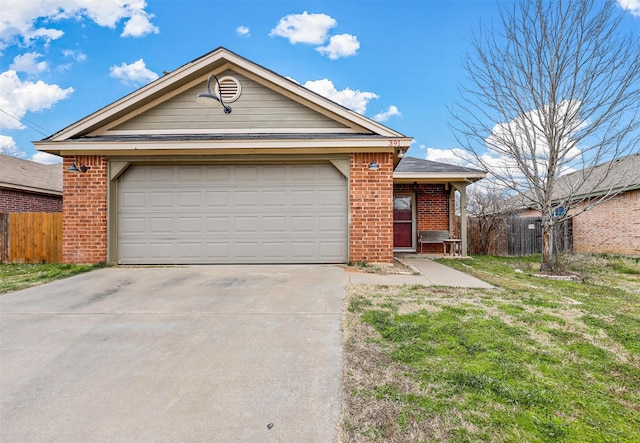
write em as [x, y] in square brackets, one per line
[411, 168]
[613, 177]
[25, 175]
[137, 117]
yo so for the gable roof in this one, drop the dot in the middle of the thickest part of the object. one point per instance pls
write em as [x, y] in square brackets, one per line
[612, 177]
[194, 74]
[623, 173]
[411, 168]
[25, 175]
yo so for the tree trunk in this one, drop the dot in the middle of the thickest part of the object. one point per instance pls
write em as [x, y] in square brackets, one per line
[547, 248]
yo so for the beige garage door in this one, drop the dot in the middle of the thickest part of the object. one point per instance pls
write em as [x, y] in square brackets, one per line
[198, 214]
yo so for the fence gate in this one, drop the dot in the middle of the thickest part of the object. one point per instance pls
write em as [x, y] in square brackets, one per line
[524, 236]
[520, 236]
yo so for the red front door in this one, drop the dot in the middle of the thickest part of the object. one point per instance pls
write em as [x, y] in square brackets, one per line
[403, 219]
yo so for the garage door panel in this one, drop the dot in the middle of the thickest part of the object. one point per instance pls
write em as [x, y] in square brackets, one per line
[330, 224]
[333, 197]
[132, 199]
[189, 174]
[274, 250]
[246, 250]
[160, 200]
[189, 199]
[215, 225]
[245, 198]
[218, 251]
[132, 226]
[161, 250]
[304, 224]
[274, 224]
[190, 225]
[215, 199]
[232, 214]
[303, 198]
[159, 174]
[246, 225]
[190, 251]
[274, 199]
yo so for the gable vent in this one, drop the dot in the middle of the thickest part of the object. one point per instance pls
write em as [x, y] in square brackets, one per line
[229, 89]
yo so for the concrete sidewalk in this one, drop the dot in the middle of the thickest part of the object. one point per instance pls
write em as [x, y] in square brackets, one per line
[431, 274]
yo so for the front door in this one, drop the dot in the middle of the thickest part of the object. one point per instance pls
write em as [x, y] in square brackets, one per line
[404, 236]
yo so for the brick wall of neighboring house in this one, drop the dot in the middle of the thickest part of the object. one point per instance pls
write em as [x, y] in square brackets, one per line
[20, 201]
[432, 210]
[84, 225]
[371, 208]
[612, 227]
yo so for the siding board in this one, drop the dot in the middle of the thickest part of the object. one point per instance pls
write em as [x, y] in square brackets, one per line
[257, 108]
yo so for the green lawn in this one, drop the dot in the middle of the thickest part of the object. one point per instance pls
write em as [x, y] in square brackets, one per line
[21, 276]
[534, 360]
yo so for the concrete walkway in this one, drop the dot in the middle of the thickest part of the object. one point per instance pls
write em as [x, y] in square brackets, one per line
[431, 274]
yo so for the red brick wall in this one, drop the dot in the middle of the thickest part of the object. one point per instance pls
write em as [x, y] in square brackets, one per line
[609, 228]
[612, 227]
[371, 208]
[432, 210]
[20, 201]
[84, 224]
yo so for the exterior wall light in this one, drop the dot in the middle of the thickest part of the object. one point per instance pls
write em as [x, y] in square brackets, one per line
[209, 99]
[74, 168]
[374, 166]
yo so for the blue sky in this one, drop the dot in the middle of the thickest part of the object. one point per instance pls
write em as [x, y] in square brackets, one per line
[396, 61]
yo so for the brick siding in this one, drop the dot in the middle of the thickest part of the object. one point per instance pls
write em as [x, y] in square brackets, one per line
[432, 210]
[21, 201]
[84, 224]
[371, 208]
[612, 227]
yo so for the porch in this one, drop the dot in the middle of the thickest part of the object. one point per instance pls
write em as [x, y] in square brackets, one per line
[428, 198]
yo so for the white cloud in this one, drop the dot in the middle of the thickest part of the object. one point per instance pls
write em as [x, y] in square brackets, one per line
[304, 28]
[349, 98]
[386, 115]
[343, 45]
[523, 136]
[25, 19]
[76, 55]
[139, 25]
[454, 156]
[8, 147]
[243, 31]
[46, 158]
[29, 63]
[133, 73]
[18, 97]
[633, 6]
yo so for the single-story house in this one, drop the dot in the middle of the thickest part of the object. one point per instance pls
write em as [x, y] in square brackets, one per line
[27, 186]
[273, 173]
[610, 227]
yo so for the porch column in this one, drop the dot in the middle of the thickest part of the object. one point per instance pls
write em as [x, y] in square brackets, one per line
[462, 188]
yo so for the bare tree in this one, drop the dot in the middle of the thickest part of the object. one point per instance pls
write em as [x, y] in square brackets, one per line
[489, 207]
[556, 89]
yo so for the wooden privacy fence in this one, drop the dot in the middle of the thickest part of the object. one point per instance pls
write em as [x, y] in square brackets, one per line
[519, 236]
[31, 237]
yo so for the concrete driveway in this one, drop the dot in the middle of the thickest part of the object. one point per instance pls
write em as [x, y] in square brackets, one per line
[197, 353]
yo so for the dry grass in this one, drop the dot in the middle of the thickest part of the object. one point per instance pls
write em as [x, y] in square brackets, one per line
[532, 360]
